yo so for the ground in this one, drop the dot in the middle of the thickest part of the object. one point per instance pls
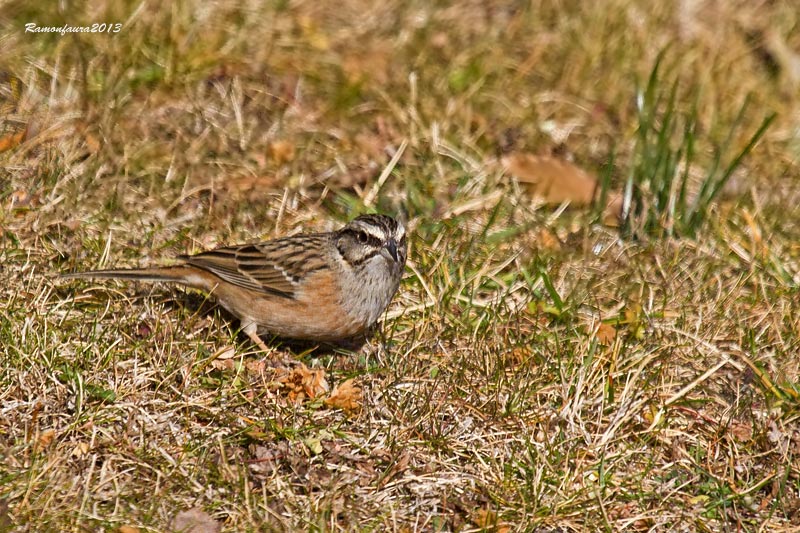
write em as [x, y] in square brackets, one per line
[538, 370]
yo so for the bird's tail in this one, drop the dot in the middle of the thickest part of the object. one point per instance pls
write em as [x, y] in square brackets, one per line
[174, 274]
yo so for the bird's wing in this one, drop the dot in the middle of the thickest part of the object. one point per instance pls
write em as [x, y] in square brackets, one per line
[275, 267]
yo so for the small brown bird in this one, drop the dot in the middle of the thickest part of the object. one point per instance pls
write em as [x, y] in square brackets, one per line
[316, 286]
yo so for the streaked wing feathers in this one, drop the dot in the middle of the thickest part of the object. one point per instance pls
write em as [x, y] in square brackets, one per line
[274, 267]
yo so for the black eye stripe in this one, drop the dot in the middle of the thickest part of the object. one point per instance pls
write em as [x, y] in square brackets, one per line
[373, 241]
[365, 238]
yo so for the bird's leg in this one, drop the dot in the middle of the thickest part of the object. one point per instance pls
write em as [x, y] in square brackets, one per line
[251, 330]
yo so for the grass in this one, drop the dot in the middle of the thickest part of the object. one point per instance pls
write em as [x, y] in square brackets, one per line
[659, 198]
[536, 371]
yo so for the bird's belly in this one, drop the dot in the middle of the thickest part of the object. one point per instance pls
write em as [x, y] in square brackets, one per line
[319, 322]
[318, 315]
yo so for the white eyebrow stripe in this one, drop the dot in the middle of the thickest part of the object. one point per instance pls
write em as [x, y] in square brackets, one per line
[373, 231]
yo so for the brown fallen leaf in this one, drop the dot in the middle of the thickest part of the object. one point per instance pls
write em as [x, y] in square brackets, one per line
[92, 142]
[555, 181]
[8, 142]
[255, 367]
[302, 382]
[21, 199]
[606, 334]
[226, 352]
[742, 431]
[519, 355]
[13, 140]
[346, 396]
[44, 439]
[398, 466]
[281, 151]
[552, 180]
[223, 365]
[81, 449]
[195, 520]
[548, 240]
[128, 529]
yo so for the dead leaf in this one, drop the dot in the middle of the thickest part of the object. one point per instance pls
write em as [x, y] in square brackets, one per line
[547, 239]
[606, 334]
[195, 520]
[398, 466]
[281, 152]
[128, 529]
[8, 142]
[37, 408]
[20, 199]
[555, 181]
[81, 449]
[519, 355]
[92, 142]
[742, 431]
[11, 141]
[226, 352]
[302, 382]
[223, 365]
[346, 396]
[44, 439]
[552, 180]
[255, 367]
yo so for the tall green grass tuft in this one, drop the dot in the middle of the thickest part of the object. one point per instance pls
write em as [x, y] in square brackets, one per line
[659, 199]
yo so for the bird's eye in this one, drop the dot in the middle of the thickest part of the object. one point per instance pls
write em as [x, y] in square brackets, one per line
[362, 237]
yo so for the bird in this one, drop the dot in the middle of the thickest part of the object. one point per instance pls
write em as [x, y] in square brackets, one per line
[321, 287]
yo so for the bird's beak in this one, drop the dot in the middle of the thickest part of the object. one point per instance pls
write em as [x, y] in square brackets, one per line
[390, 250]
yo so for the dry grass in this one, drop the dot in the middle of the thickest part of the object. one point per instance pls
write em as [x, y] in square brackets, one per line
[535, 372]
